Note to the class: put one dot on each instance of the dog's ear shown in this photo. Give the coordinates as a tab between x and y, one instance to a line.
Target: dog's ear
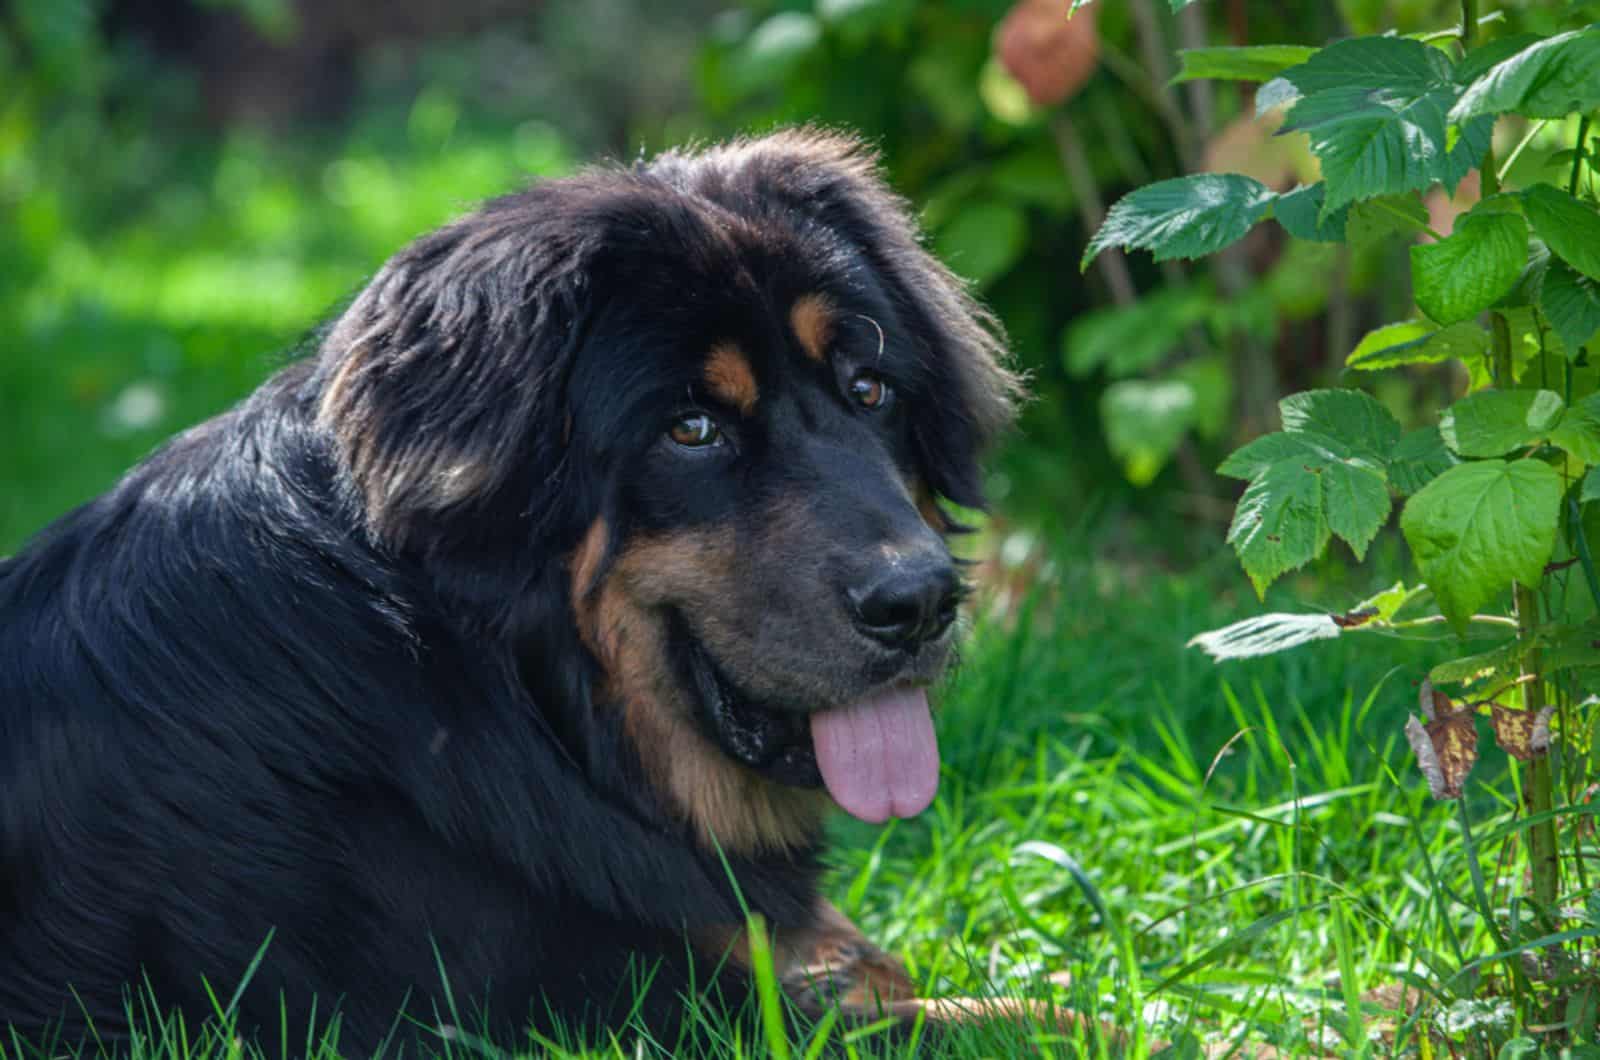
441	384
837	181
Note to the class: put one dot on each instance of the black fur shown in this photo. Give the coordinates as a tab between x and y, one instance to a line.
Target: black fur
311	669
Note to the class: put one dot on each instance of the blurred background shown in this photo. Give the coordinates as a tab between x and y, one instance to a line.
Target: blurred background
188	186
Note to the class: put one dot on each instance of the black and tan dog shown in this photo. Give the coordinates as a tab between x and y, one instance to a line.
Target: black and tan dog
599	542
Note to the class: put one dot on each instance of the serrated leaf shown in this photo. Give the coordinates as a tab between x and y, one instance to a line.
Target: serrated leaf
1264	635
1279	524
1418	342
1571	228
1374	109
1499	659
1579	430
1550	79
1260	62
1356	500
1571	302
1375	220
1300	213
1462	274
1144	421
1446	749
1480	526
1494	422
1186	217
1418	458
1484	57
1260	454
1525	291
1354	419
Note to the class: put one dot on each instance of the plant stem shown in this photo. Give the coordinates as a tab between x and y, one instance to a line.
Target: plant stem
1577	158
1546	866
1469	24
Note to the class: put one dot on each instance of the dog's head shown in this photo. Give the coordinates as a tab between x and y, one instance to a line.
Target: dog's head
712	403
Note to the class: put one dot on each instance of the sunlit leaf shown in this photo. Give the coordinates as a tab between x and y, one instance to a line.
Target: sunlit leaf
1260	62
1494	422
1480	526
1418	342
1457	277
1186	217
1550	79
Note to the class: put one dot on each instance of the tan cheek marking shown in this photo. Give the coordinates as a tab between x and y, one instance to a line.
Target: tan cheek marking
928	507
620	621
812	318
729	376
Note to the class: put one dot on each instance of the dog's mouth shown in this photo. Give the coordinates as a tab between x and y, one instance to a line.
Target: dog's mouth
877	757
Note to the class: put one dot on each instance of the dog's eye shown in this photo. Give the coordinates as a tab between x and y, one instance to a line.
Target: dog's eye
870	391
695	430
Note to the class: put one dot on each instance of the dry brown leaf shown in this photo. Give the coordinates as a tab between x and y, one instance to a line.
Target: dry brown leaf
1513	731
1051	56
1447	746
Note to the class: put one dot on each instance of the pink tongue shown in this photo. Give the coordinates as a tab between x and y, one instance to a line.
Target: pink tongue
879	757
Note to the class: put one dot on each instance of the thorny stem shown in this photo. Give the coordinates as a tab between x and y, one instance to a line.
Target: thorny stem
1546	865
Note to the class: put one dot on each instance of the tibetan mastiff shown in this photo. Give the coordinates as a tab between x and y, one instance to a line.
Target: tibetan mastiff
520	638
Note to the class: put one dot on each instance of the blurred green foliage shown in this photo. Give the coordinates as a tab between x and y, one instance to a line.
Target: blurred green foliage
160	255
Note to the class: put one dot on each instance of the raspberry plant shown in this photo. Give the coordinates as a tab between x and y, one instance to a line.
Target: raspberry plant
1497	496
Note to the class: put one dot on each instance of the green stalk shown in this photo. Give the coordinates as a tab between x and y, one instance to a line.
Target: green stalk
1577	158
1546	865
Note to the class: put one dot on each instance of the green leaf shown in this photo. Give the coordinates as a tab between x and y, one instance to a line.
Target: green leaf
1386	604
774	49
1479	60
1571	303
1462	274
1571	228
1279	524
1260	454
1480	526
1353	419
982	241
1494	422
1258	63
1356	499
1579	430
1375	220
1279	92
1323	474
1374	109
1418	342
1300	213
1186	217
1144	421
1418	458
1551	79
1498	659
1128	339
1591	486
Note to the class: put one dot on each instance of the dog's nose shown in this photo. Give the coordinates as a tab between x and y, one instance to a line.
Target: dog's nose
908	603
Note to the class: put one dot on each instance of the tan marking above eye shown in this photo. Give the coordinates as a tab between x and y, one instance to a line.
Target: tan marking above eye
812	318
728	375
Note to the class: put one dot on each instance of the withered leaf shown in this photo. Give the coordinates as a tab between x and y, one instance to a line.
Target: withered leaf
1447	746
1359	617
1513	731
